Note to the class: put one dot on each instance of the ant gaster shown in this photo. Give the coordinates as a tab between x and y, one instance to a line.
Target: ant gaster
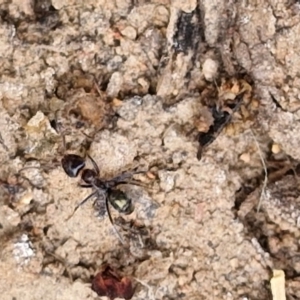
104	190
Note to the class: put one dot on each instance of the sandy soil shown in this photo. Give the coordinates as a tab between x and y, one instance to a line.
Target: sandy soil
130	83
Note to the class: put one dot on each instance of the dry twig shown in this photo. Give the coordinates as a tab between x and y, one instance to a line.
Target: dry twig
265	170
150	289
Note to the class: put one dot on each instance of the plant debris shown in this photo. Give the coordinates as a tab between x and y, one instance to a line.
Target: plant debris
278	285
230	97
108	283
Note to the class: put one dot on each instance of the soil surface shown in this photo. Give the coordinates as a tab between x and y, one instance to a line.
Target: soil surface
202	97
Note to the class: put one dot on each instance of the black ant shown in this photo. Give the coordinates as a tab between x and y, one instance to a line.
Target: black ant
106	191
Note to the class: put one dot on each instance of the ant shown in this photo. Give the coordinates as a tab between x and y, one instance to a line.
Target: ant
105	191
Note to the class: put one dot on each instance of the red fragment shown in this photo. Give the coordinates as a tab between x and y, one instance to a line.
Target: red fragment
108	283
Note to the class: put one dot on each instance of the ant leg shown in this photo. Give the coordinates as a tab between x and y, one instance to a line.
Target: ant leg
85	185
126	175
111	220
132	182
138	183
81	203
96	168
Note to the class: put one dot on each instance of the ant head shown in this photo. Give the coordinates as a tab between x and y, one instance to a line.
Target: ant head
120	201
89	176
72	164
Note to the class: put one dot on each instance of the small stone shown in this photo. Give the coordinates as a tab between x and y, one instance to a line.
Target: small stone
26	198
178	157
245	157
254	103
167	180
294	106
117	102
150	175
9	217
37	120
114	85
276	148
58	4
234	263
230	129
210	69
161	16
144	84
129	32
23	251
199	212
128	111
186	6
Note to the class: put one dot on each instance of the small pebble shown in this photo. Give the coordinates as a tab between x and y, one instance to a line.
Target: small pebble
117	102
245	157
129	32
210	69
276	148
26	198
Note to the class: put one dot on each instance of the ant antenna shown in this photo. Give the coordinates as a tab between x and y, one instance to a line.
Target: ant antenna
128	175
96	168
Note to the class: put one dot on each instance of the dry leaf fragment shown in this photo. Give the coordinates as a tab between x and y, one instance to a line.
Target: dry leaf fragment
108	283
